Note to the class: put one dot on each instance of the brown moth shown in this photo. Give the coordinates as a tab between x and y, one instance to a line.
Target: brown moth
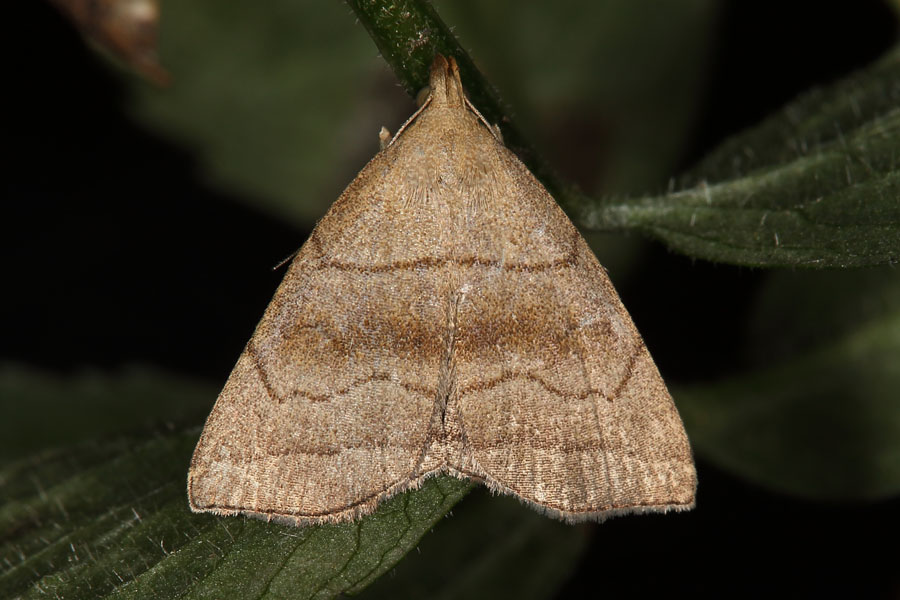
445	316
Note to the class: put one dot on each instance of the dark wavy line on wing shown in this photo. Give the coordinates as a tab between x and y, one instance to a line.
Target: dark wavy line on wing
629	369
429	262
270	389
511	376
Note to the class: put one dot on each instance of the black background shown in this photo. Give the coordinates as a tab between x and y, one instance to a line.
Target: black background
108	234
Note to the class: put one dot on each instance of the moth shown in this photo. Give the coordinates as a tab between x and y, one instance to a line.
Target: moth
444	317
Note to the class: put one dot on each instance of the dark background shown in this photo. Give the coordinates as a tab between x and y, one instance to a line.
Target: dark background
113	248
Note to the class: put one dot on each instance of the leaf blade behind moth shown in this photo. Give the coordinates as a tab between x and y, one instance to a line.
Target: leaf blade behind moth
521	554
110	521
814	186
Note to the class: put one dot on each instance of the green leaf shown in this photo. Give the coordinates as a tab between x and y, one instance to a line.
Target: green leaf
496	548
817	185
111	521
820	418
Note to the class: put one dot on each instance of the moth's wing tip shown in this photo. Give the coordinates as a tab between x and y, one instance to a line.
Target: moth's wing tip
576	517
679	496
604	515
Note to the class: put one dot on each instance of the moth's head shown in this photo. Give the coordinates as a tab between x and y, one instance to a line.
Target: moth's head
445	85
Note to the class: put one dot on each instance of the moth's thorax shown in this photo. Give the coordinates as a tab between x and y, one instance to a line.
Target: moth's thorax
465	159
